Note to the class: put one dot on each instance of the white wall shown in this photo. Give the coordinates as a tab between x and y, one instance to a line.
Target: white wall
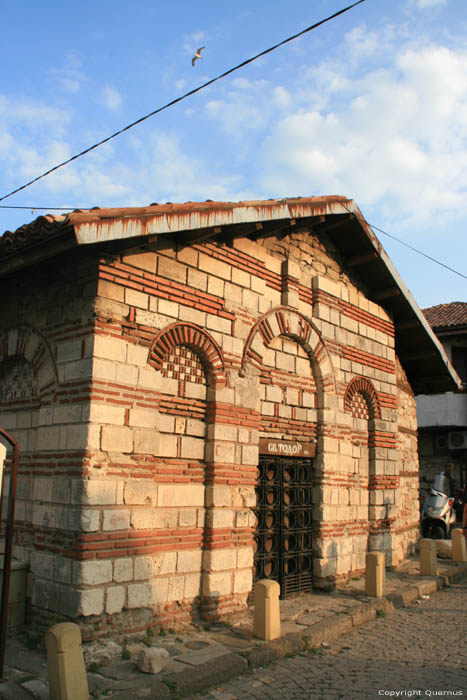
442	410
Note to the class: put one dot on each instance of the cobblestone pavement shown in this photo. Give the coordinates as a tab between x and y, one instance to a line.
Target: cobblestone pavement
413	652
398	653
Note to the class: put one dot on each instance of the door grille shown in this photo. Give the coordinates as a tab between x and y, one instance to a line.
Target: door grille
283	538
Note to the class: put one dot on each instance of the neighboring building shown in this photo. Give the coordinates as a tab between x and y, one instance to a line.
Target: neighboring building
442	418
206	394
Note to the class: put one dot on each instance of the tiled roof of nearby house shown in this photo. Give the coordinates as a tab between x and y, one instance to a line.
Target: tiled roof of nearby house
447	315
336	217
29	234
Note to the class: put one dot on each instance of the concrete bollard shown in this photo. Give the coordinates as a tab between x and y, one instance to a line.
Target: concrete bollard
428	561
459	550
67	673
375	574
267	619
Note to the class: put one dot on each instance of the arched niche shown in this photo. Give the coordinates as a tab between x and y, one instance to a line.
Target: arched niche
197	340
27	366
287	322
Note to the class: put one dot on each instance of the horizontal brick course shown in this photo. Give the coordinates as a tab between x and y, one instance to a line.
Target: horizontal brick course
137	484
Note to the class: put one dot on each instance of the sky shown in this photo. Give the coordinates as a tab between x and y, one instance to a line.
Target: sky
371	105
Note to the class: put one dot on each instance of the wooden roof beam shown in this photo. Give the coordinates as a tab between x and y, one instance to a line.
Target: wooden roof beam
324	228
413	356
388	293
357	260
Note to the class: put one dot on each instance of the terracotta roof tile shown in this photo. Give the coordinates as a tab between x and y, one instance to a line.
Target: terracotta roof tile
444	315
29	234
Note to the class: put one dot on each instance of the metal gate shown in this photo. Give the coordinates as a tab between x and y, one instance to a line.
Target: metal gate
283	535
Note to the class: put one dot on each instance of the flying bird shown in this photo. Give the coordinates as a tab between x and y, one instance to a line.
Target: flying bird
197	55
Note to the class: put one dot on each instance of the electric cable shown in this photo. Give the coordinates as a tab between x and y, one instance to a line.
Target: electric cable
407	245
362	220
9	206
425	255
183	97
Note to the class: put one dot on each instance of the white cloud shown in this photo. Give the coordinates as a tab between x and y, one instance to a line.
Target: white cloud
248	105
193	41
31	162
6	142
70	77
169	173
111	98
423	4
281	97
395	137
24	126
105	186
31	114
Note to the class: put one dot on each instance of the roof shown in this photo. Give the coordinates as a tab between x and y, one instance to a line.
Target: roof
449	316
417	347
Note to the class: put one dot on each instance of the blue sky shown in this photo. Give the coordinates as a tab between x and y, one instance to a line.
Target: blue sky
372	105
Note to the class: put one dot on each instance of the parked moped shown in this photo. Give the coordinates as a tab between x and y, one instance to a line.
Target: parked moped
438	516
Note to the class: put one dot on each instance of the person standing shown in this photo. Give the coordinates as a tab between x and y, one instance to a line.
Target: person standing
449	474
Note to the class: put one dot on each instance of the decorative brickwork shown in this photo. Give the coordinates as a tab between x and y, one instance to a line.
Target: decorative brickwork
184	364
17	381
27	366
361	400
288	323
359	407
199	351
140	390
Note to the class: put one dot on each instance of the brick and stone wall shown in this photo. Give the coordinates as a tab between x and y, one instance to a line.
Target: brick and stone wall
46	339
147	380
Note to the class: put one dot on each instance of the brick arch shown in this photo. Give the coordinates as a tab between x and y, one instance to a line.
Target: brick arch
195	338
363	387
27	342
293	324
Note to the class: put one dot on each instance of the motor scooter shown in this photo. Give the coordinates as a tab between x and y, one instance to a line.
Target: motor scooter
438	516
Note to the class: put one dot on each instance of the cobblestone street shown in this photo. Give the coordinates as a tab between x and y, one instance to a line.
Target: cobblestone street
419	651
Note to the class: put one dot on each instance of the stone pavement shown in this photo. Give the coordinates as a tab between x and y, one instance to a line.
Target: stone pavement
418	651
201	658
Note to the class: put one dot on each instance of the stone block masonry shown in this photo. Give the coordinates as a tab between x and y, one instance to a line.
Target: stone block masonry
141	391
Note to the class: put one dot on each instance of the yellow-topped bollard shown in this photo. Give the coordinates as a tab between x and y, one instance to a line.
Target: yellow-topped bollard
428	561
67	673
267	619
375	574
459	550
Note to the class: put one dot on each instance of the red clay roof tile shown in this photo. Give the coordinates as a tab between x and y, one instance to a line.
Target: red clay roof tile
444	315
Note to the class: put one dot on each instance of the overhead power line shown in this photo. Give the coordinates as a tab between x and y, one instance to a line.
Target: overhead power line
10	206
407	245
425	255
376	228
183	97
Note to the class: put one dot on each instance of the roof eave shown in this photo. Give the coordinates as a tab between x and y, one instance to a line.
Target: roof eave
385	286
37	253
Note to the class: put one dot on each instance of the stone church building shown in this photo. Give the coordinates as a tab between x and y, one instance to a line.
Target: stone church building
204	395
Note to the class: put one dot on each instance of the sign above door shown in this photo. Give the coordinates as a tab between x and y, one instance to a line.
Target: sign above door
287	448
